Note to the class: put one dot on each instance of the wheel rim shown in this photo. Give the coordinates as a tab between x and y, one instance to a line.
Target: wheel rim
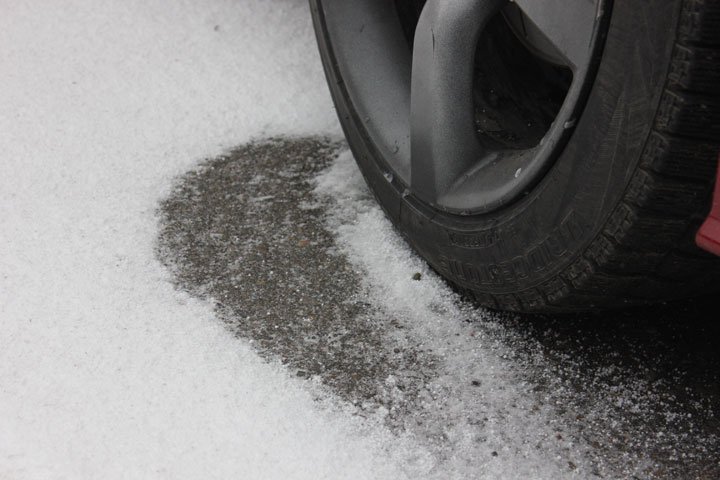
418	100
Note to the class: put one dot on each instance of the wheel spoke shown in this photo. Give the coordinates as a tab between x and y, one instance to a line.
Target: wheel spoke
567	25
444	144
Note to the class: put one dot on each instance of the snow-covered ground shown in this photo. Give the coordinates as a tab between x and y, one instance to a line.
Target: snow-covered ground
107	370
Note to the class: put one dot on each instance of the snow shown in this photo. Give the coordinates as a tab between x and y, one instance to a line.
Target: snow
503	416
108	371
105	370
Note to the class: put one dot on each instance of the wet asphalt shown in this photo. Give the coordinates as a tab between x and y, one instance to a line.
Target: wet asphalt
640	388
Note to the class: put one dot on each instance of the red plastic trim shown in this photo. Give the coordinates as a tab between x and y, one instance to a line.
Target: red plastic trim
708	237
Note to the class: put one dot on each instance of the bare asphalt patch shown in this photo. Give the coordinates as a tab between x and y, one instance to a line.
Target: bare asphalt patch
246	231
633	394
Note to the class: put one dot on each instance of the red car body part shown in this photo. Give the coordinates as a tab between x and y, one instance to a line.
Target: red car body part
708	237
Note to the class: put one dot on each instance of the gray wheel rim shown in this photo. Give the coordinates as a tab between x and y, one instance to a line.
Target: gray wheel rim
417	106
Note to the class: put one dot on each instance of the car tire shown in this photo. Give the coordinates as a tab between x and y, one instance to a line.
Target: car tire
610	220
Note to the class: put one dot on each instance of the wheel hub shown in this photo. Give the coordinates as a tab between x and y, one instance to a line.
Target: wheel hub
460	119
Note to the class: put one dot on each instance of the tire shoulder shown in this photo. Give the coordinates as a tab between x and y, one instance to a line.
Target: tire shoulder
647	244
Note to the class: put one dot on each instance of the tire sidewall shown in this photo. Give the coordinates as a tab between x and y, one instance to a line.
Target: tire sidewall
528	243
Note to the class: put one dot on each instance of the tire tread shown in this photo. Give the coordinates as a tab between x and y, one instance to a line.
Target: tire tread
646	246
